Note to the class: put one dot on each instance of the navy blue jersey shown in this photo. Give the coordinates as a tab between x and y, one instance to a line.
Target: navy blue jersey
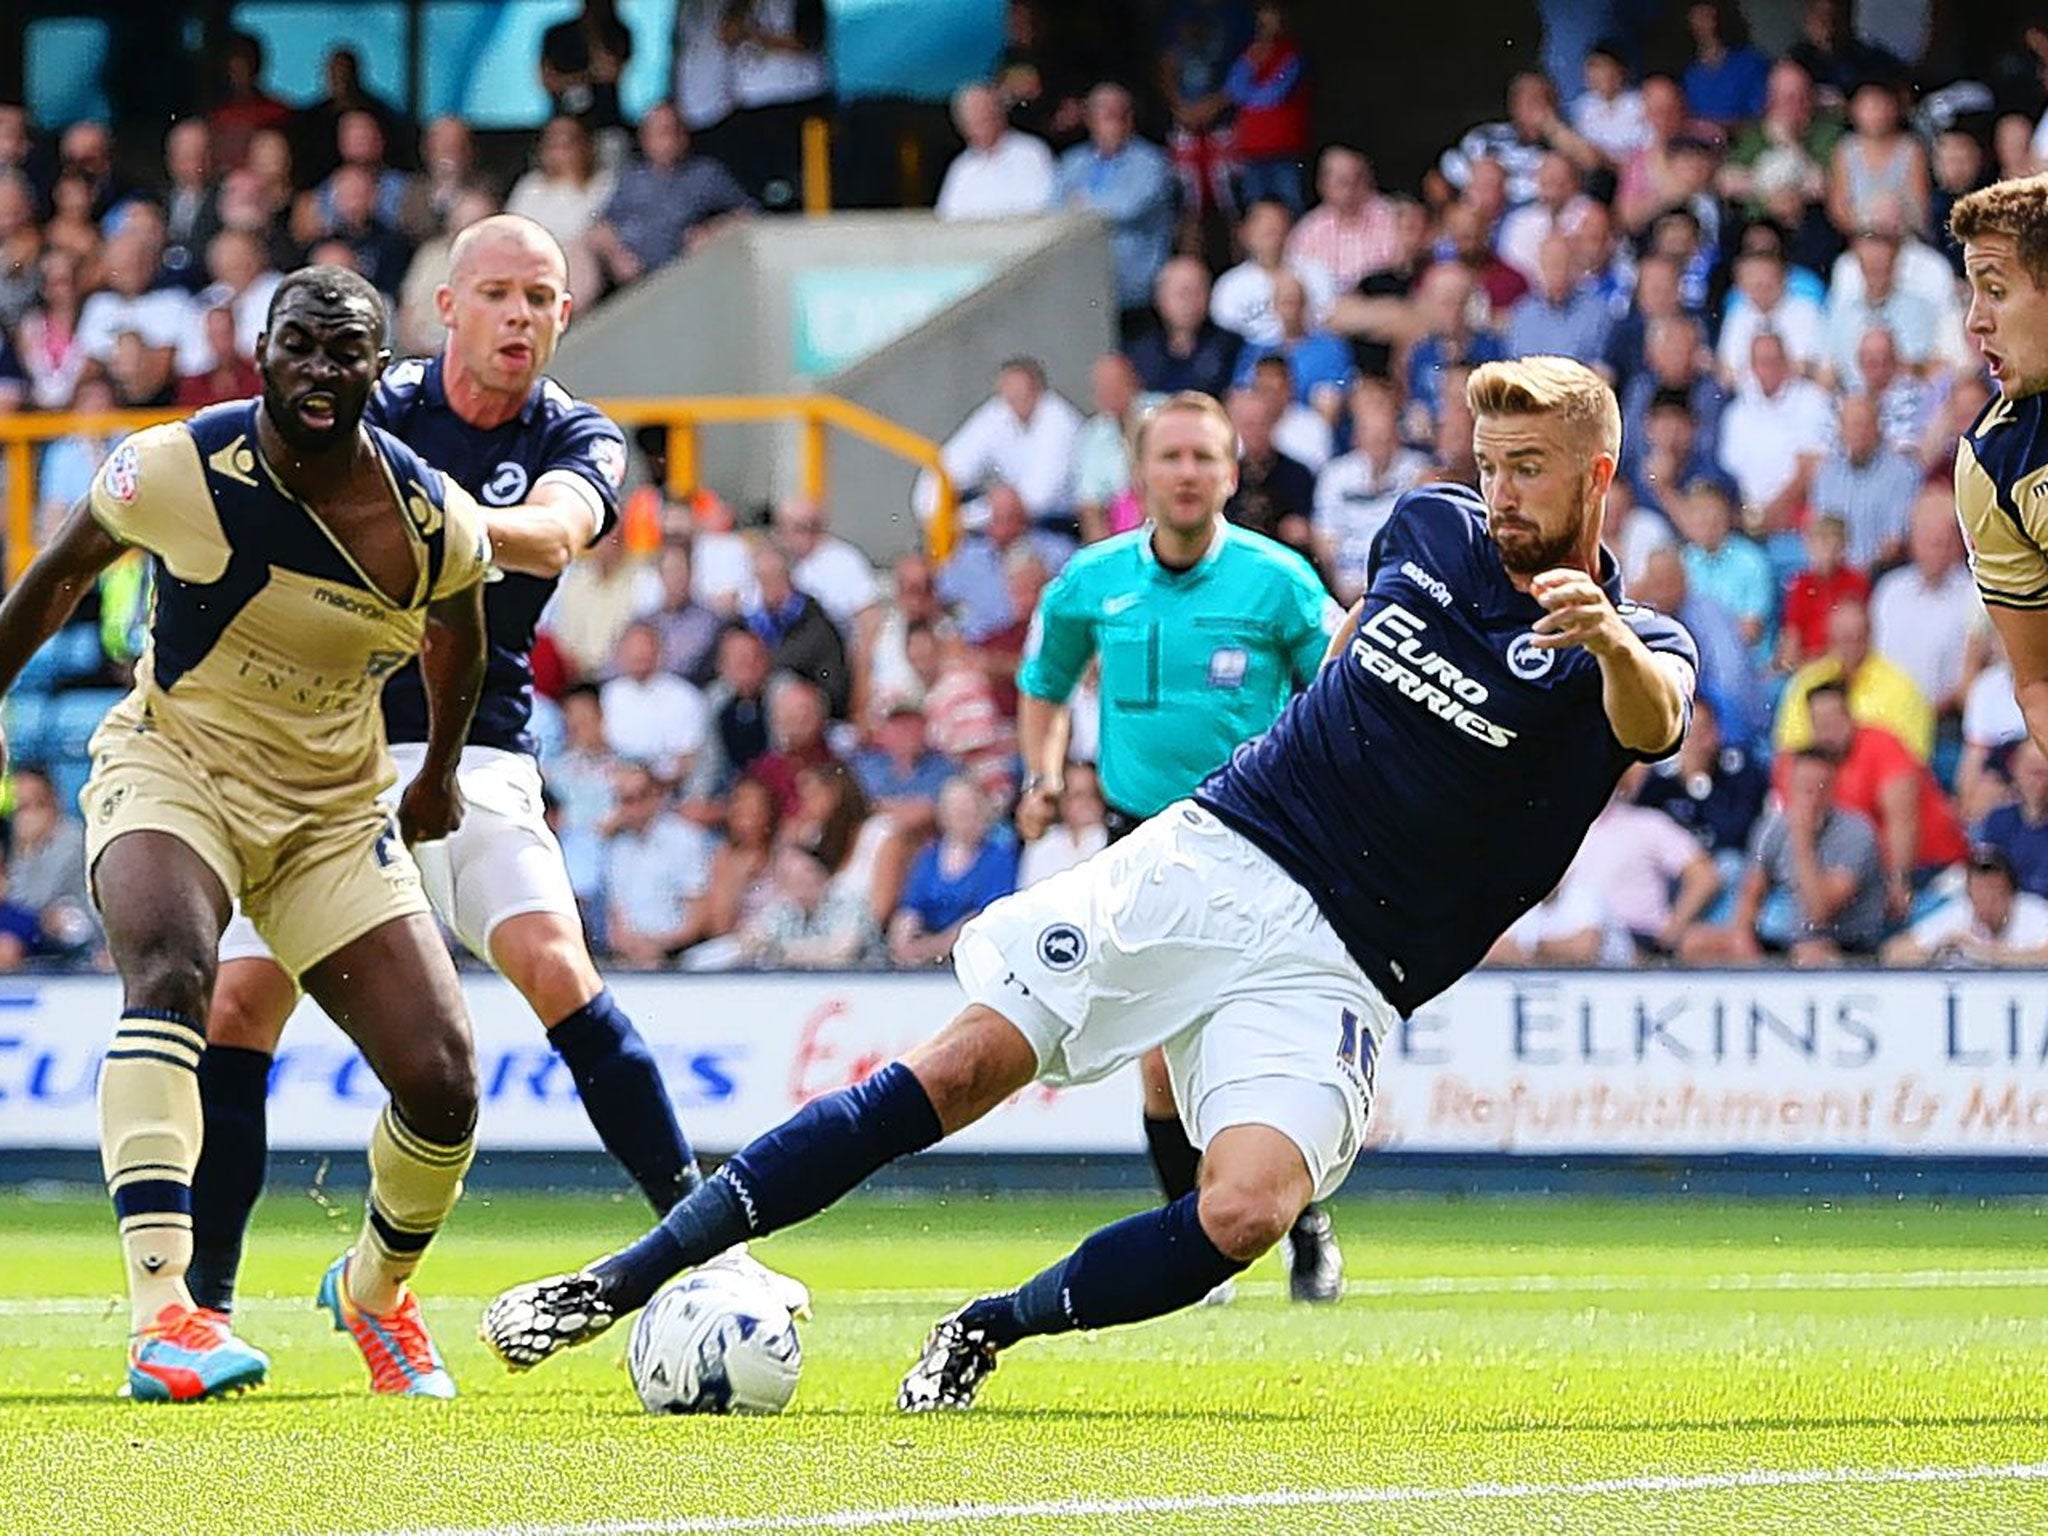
1434	781
553	433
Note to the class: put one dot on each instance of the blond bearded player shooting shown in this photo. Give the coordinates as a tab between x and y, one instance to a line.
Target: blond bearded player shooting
1427	788
1203	631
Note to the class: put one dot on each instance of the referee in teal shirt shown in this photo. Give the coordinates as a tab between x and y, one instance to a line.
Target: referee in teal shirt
1204	630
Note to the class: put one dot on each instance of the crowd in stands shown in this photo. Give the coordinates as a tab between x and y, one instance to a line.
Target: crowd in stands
764	751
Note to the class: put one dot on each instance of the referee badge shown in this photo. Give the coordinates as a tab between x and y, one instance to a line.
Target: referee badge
1228	666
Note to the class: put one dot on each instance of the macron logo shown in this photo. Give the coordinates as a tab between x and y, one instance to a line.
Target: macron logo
1430	584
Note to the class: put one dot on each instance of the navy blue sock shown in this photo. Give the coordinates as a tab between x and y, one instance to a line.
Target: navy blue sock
234	1082
1141	1267
777	1180
626	1100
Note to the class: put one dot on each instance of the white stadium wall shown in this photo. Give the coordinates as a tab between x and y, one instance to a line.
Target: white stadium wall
1843	1063
900	312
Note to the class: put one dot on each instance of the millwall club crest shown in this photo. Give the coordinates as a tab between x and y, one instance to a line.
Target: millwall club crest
506	487
1528	660
1062	947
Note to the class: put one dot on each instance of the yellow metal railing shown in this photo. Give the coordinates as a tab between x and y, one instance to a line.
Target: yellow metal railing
19	435
817	155
815	415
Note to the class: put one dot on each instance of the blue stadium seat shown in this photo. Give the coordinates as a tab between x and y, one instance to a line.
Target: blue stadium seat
74	717
79	652
43	671
546	726
28	727
67	778
72	654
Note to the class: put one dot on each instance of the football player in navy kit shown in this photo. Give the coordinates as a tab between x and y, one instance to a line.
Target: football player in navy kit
1428	787
546	468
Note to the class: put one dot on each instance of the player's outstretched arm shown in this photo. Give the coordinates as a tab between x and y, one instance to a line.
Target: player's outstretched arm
452	667
50	588
544	533
1645	694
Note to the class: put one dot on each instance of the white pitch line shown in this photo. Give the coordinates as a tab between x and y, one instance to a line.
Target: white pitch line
1419	1286
1073	1509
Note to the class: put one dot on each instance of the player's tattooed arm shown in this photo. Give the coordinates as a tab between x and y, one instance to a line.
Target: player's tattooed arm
452	667
50	588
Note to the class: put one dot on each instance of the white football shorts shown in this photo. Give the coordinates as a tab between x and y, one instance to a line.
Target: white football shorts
1186	935
502	861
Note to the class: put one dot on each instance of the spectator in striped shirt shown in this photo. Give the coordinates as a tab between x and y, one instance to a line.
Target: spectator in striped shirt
1350	232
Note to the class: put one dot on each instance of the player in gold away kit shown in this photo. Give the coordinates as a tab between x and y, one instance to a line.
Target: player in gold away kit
2002	461
299	556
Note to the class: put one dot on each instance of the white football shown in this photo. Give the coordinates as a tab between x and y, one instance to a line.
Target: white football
719	1340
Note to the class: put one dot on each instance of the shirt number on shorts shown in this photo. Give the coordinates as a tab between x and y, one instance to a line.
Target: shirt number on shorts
1357	1051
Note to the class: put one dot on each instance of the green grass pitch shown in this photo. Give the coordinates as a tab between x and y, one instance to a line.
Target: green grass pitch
1517	1366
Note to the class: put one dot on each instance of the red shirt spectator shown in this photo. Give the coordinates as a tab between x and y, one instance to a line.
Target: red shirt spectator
550	667
776	771
1875	772
1269	86
247	108
796	735
234	380
1810	597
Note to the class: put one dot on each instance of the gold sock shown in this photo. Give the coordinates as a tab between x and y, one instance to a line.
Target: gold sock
414	1184
150	1124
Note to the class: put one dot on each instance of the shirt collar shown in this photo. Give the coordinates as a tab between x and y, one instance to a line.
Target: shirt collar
1149	557
435	390
1609	575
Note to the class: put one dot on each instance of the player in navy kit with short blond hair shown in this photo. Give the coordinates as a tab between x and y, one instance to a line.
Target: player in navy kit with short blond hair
1430	785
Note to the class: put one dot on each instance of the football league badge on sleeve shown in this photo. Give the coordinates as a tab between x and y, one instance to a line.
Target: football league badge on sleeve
124	473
